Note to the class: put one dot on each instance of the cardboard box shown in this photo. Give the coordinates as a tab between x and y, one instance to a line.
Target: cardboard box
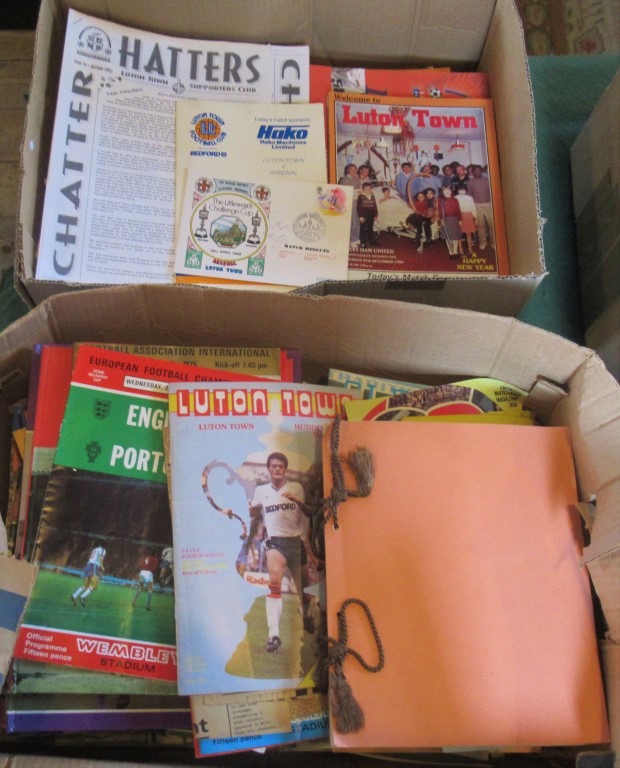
595	164
387	338
42	761
463	34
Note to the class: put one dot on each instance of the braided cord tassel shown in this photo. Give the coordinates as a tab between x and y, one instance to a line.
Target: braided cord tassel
362	466
347	714
329	674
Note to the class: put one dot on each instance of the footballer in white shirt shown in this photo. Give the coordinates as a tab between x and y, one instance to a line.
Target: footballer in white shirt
281	503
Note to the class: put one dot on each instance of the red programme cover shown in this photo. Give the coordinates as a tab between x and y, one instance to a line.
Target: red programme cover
53	388
424	83
16	528
107	522
54	377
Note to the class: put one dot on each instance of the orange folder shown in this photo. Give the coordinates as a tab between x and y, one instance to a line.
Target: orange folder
467	554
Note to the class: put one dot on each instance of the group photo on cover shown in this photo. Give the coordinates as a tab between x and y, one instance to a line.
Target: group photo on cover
425	181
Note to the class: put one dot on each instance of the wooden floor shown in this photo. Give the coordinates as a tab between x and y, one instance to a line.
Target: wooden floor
16	50
553	27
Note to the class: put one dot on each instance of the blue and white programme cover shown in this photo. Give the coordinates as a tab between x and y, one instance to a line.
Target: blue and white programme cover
110	182
245	473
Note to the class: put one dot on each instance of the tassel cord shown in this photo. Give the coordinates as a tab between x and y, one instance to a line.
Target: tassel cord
348	715
339	649
361	464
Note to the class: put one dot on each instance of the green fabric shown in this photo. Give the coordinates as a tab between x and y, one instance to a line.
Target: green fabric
11	305
566	90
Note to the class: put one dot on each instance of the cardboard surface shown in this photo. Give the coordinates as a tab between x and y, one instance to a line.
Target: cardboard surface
566	89
466	33
43	761
595	164
16	582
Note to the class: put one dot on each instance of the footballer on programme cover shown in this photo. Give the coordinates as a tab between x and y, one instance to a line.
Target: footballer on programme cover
245	475
100	600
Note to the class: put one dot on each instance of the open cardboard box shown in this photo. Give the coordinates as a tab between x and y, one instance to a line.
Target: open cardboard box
595	174
390	338
462	34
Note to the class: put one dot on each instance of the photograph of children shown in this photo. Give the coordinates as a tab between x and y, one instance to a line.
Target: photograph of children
434	202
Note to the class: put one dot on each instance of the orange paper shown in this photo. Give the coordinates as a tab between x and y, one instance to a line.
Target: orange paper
467	554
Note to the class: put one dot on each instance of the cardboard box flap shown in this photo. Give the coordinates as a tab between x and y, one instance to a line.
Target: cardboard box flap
605	526
36	141
602	556
586	158
503	295
14	376
403	340
543	397
514	116
280	22
36	327
611	668
605	574
593	412
45	761
595	438
427	32
397	337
